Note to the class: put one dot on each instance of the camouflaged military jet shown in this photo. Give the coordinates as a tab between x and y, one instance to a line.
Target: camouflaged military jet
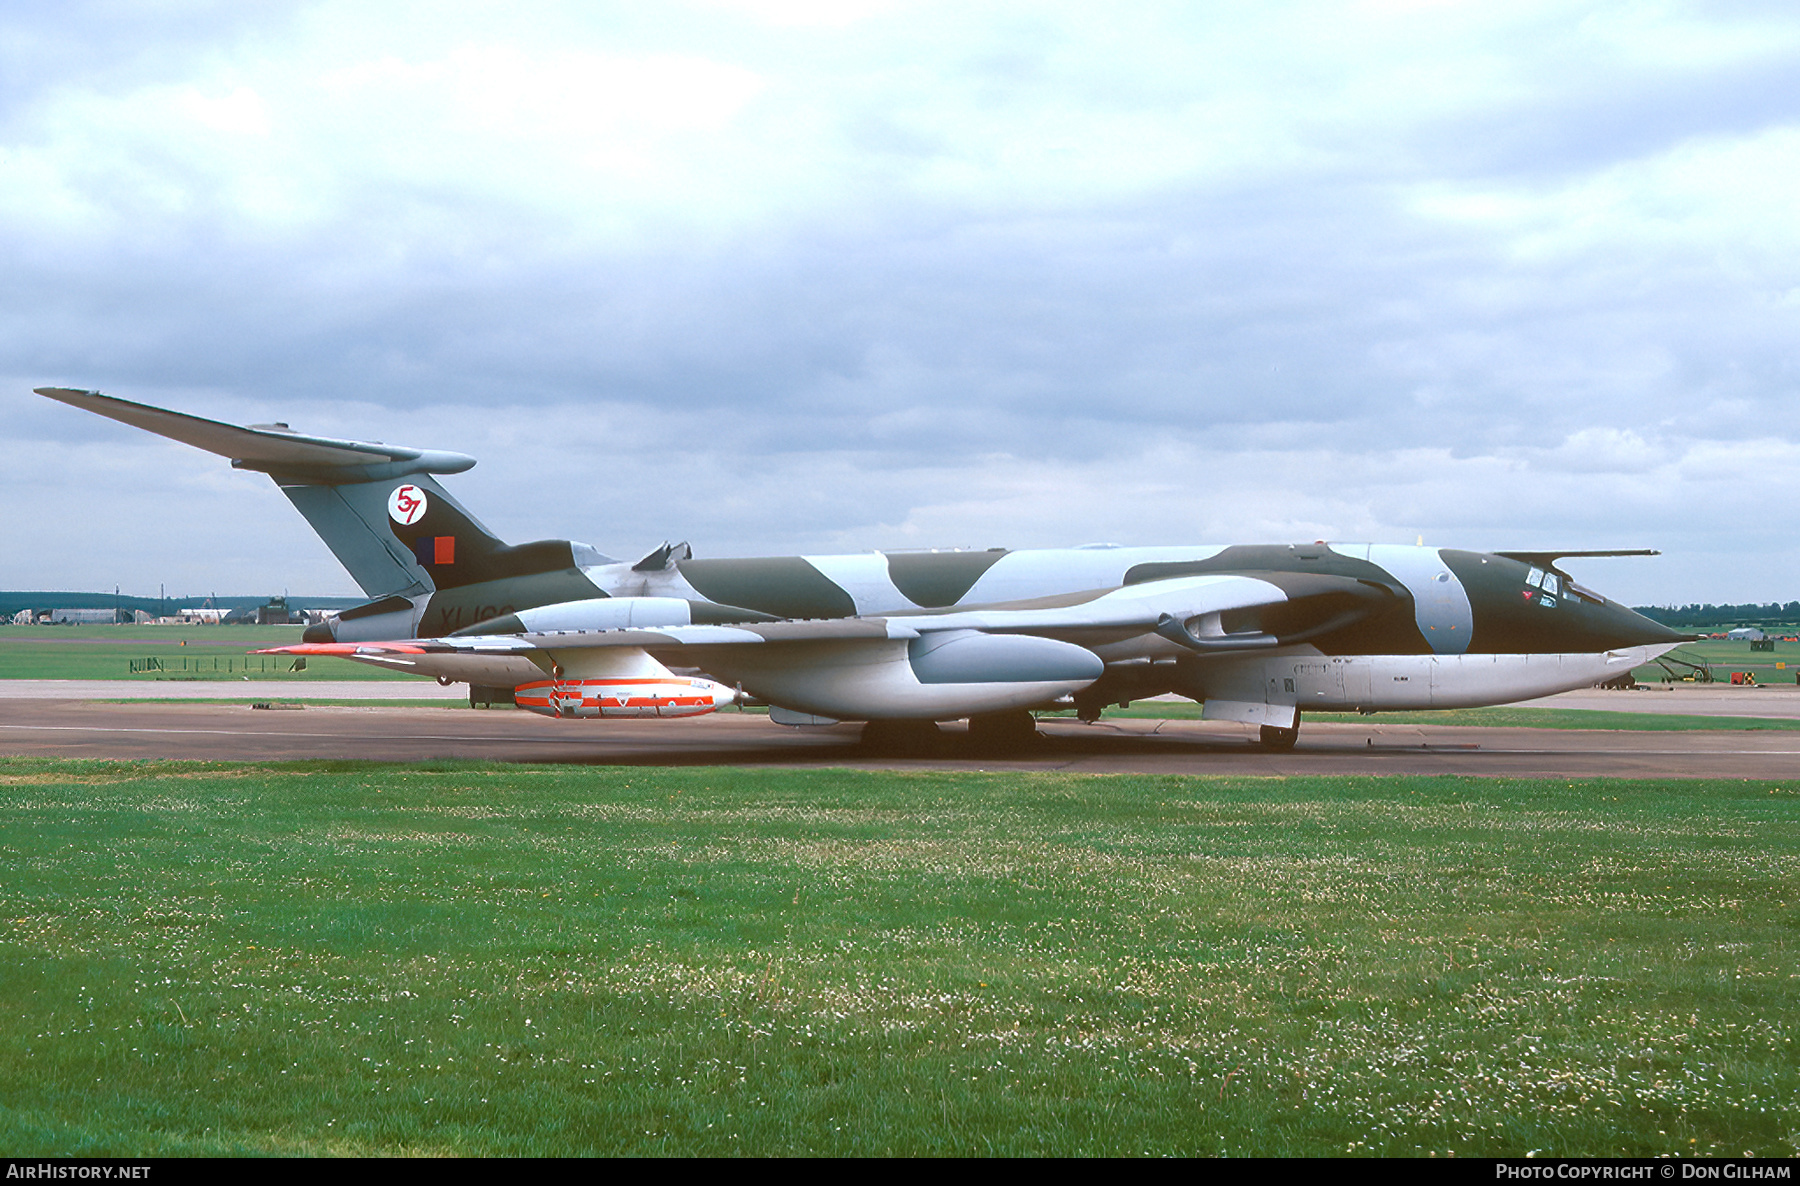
902	640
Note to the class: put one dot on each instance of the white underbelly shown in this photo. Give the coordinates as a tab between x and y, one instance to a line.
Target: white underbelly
1319	683
1472	681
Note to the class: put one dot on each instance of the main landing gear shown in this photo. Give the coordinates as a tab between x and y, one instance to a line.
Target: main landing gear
1278	739
989	733
1002	732
901	739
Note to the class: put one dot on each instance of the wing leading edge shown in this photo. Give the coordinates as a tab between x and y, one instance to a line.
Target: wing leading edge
938	665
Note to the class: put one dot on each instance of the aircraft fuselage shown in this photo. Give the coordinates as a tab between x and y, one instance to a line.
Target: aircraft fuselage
1257	632
1451	628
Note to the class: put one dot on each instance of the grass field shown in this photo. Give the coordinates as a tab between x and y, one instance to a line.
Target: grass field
1778	666
186	652
472	959
105	652
262	696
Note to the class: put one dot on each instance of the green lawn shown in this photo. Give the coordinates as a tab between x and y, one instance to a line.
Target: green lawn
1778	666
219	652
262	695
185	653
472	959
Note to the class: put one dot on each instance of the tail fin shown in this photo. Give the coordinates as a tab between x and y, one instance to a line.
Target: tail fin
351	493
452	547
384	554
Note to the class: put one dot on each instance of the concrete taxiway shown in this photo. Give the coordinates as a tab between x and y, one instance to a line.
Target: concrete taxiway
1699	700
92	729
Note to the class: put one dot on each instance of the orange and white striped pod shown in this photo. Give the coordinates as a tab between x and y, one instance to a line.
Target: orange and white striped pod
624	696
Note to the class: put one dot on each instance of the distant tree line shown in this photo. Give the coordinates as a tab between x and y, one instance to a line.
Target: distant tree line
12	602
1748	614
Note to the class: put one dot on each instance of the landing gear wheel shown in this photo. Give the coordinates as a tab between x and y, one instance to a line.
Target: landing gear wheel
900	739
1274	738
998	732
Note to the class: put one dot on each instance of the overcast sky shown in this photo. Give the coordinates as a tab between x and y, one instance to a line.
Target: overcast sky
779	276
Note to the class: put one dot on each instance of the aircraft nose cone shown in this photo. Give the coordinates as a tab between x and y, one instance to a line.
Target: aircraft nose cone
1516	613
1635	630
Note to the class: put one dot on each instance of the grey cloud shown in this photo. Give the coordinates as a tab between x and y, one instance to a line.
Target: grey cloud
1291	343
113	43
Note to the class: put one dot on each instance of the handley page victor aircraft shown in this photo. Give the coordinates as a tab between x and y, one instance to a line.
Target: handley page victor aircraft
1257	633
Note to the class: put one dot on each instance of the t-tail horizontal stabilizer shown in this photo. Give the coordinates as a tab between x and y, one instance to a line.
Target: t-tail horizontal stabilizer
270	448
1549	559
375	505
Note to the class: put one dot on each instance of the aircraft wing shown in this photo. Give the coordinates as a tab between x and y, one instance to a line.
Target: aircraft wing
931	664
1135	609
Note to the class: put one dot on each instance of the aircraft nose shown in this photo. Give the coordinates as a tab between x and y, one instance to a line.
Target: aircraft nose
1635	630
1519	607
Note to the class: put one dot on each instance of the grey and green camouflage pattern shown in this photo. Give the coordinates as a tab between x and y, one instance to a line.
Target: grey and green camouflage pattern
1258	633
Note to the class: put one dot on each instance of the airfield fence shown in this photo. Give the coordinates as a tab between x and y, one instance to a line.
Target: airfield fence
230	667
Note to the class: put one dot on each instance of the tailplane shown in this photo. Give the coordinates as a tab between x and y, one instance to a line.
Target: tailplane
376	506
